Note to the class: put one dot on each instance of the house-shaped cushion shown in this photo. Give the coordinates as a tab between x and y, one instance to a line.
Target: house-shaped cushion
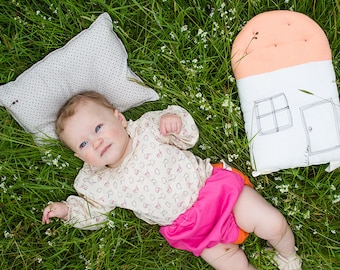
282	63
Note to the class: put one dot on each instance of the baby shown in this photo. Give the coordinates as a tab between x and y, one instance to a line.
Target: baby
144	166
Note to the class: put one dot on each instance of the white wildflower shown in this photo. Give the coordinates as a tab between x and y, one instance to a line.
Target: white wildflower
283	188
184	28
275	201
203	147
336	199
306	215
298	227
232	157
3	187
8	234
111	224
199	95
231	78
48	232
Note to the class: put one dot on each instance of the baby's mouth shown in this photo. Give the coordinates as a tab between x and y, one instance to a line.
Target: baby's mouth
105	149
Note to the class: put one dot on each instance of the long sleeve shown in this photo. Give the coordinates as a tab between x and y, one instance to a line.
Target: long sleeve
86	214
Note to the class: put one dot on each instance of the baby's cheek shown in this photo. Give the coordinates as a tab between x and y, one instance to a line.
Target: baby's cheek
88	157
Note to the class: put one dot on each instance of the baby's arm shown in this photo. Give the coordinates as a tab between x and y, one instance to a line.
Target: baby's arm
55	210
86	214
78	212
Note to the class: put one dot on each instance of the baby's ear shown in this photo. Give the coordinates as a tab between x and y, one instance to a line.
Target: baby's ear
76	155
121	118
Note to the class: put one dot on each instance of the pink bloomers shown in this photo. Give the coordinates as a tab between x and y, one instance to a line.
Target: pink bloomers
210	220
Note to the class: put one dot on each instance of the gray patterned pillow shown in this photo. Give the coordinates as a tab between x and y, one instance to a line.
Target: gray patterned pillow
95	59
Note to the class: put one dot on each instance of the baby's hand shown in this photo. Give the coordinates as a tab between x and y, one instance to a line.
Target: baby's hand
170	123
55	210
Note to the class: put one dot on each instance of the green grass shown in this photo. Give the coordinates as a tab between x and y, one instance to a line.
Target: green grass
185	68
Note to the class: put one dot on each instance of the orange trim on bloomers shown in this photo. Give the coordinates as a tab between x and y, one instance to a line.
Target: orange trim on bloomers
242	236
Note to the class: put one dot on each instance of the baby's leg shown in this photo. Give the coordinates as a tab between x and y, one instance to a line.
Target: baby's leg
226	256
254	214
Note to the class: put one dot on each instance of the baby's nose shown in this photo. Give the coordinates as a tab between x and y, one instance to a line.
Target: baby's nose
97	143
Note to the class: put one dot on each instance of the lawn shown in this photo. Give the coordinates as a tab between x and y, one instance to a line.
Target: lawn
182	49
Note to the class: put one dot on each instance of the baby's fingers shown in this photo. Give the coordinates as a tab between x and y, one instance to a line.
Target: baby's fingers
176	126
55	210
169	127
170	123
50	211
46	215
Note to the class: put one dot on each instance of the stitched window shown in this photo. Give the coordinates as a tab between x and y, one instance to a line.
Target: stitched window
273	114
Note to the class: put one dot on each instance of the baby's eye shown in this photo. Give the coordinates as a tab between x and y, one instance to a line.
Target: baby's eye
98	128
83	144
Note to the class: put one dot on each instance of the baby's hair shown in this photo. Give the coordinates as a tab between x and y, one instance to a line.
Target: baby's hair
68	109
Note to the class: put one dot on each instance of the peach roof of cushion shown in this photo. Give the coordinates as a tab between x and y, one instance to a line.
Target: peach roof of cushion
277	39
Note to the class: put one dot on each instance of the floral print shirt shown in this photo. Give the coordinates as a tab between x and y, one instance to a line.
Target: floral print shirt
158	181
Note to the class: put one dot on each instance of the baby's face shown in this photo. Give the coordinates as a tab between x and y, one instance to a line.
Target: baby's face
97	135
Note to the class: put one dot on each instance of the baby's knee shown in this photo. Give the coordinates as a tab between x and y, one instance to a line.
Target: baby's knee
279	225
